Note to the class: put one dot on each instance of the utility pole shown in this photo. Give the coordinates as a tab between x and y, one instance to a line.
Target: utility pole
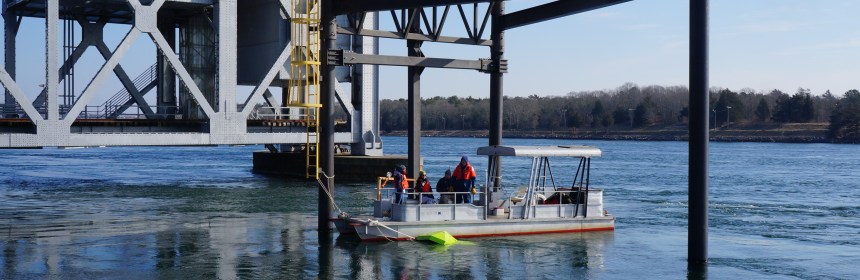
630	110
564	117
463	119
727	116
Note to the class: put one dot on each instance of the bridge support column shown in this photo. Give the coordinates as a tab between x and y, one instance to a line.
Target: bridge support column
166	76
10	30
52	79
497	52
697	247
327	99
414	104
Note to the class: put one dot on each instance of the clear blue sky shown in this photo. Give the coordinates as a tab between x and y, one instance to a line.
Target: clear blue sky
761	44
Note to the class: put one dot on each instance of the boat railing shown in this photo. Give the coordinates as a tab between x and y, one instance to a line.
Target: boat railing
391	192
575	201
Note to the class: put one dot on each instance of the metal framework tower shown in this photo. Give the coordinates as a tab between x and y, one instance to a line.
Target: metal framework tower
304	84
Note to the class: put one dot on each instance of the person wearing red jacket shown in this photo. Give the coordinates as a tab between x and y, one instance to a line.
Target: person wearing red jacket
464	178
423	188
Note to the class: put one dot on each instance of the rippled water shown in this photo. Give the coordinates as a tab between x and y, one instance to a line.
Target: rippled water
777	211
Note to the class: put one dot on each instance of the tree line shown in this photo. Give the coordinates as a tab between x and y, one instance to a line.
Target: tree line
633	107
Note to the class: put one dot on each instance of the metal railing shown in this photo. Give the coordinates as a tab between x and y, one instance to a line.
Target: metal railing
118	100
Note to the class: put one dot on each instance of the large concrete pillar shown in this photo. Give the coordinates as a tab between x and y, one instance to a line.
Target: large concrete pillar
10	30
414	104
166	88
697	247
328	101
497	52
365	94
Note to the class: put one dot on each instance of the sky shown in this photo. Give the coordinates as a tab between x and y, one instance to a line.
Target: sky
762	45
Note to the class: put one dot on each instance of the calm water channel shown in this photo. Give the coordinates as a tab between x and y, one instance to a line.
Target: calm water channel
778	211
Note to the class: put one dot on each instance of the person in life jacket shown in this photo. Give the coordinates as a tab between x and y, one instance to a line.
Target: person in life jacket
445	184
464	178
423	188
401	184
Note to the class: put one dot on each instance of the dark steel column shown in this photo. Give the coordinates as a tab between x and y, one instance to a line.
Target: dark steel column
10	24
697	246
166	89
497	54
327	99
414	100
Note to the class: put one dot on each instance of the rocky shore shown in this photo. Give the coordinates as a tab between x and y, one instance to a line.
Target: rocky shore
783	133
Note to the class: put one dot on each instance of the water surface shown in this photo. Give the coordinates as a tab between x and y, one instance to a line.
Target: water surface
778	211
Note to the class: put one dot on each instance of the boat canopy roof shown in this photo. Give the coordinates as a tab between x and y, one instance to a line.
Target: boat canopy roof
540	151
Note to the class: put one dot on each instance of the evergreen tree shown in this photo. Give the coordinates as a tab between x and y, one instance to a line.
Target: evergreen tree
845	120
762	111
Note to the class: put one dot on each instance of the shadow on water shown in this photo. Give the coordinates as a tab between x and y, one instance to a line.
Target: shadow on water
578	255
697	271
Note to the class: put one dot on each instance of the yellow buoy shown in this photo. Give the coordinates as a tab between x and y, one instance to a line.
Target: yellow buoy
439	237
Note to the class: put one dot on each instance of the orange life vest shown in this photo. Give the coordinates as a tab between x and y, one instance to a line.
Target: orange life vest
404	184
425	187
467	175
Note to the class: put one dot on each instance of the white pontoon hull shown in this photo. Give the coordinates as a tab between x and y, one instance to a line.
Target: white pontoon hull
390	230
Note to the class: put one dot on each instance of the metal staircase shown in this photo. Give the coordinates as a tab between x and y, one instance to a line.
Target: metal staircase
304	83
122	100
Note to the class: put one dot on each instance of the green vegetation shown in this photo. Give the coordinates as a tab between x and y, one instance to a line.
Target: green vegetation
633	107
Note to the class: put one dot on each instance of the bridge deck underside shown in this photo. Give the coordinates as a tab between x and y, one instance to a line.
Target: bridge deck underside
21	133
115	11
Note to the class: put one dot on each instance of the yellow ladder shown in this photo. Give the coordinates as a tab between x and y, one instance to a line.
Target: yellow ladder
304	84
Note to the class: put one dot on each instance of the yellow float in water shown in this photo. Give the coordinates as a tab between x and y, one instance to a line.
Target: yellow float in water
439	237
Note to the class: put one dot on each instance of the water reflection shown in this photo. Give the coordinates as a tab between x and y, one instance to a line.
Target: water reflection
231	246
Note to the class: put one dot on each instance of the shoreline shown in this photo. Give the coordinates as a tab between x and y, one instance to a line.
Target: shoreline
785	133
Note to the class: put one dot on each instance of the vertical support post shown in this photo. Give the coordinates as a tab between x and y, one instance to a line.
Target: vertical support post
227	34
166	89
327	99
697	247
497	52
414	103
52	77
365	93
10	30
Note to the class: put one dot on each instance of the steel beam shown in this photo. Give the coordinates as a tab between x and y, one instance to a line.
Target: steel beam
225	17
413	36
353	6
52	79
327	98
132	101
166	77
497	54
697	247
94	84
267	79
64	70
414	99
415	61
10	30
136	94
553	10
18	95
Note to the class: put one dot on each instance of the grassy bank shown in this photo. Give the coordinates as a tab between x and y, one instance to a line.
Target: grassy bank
786	133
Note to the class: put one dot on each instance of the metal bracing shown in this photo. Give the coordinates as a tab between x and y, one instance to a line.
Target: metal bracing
553	10
224	123
10	30
433	21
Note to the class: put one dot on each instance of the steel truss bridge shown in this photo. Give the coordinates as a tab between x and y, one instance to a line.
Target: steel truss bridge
221	45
